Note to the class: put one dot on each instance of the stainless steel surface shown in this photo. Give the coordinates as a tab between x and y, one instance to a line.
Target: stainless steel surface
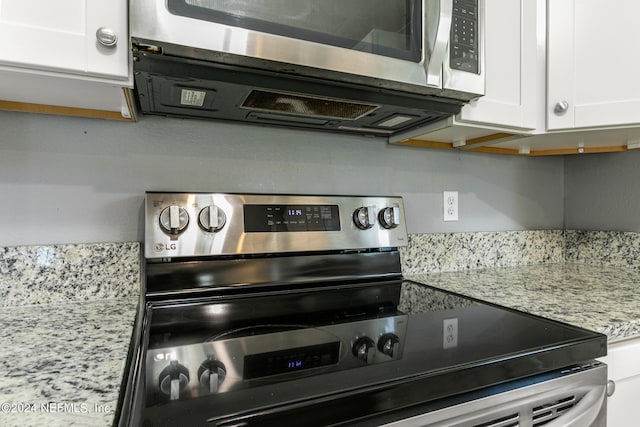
173	219
364	217
438	29
389	217
106	36
611	388
151	21
212	218
575	400
177	233
229	353
561	108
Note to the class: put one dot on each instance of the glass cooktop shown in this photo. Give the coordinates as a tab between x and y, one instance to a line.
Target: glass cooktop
447	344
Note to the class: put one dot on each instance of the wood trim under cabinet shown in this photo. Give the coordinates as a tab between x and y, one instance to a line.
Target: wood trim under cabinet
71	111
483	145
470	145
555	152
483	141
497	150
585	150
423	143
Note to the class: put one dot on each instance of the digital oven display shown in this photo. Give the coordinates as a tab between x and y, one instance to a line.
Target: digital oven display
283	218
290	360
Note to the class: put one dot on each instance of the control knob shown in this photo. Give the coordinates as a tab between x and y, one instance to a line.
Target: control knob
211	374
389	344
174	379
174	220
389	217
364	217
364	349
212	219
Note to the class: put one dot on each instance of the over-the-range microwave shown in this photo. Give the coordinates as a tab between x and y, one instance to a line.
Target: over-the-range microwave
374	67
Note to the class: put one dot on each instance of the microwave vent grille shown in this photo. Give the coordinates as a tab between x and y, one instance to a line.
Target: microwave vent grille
329	108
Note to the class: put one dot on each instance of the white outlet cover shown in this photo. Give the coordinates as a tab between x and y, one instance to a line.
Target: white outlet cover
450	206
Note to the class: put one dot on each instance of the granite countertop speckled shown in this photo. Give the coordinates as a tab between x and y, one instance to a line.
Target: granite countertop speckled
63	363
600	298
67	314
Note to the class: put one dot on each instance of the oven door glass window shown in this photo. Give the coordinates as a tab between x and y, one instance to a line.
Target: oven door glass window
390	28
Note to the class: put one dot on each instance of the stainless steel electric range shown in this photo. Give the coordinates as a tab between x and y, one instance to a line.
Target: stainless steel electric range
288	310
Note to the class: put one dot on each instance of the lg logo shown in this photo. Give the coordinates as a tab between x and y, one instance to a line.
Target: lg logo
161	247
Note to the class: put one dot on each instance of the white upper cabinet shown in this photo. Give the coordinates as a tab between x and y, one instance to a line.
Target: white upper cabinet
562	78
593	64
62	36
511	61
67	57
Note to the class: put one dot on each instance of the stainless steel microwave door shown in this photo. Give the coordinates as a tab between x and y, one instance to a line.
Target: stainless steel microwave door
390	28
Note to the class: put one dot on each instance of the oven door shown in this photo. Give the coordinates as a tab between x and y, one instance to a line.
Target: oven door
405	42
575	397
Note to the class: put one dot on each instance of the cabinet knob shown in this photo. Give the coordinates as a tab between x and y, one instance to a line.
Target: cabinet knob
106	36
561	108
611	388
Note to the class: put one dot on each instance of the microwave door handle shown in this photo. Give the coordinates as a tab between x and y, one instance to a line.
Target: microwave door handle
441	42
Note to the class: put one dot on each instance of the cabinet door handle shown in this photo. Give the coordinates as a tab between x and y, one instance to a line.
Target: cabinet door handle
106	36
561	108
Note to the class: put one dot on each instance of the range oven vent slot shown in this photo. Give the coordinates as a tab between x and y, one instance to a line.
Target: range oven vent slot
512	420
548	412
540	415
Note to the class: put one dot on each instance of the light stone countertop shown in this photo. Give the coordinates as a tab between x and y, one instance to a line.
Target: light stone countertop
595	297
63	364
67	314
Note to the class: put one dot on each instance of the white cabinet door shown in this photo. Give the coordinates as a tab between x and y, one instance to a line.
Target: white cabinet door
623	360
511	65
593	63
60	36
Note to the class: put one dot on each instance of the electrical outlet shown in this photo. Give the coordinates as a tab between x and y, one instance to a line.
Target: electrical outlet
450	204
450	333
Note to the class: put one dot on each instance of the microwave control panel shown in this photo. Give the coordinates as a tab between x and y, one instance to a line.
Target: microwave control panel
464	49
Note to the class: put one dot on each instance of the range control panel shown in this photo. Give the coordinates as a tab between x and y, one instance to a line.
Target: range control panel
204	224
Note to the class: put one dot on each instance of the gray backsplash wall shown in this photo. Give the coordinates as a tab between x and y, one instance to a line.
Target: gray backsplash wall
602	191
73	180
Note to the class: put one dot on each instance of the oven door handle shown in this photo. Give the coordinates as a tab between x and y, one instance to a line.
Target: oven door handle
585	412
